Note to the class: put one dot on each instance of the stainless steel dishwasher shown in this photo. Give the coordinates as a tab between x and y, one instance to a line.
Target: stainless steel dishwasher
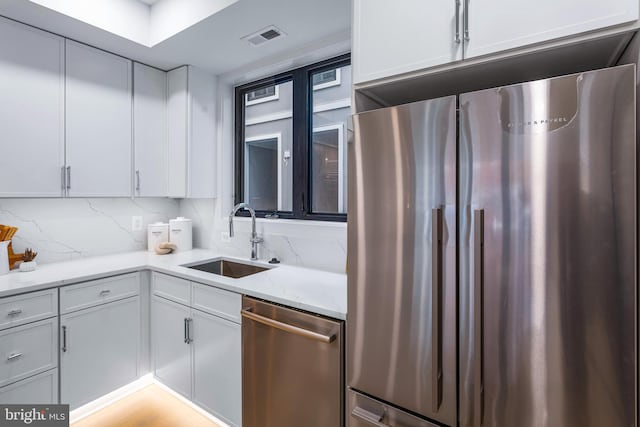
292	369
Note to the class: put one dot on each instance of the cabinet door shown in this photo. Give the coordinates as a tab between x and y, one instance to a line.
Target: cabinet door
177	131
98	123
171	354
99	350
31	111
41	389
28	350
202	135
510	24
398	37
191	133
217	364
150	131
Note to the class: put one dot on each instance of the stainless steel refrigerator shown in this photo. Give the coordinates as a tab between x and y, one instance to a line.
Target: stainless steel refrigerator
492	258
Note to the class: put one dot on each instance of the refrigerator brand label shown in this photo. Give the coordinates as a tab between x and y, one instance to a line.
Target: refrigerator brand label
512	125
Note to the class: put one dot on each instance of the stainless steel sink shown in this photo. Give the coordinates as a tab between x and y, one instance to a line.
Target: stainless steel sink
227	268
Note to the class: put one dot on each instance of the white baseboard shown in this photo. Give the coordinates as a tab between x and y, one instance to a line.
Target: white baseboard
106	400
142	382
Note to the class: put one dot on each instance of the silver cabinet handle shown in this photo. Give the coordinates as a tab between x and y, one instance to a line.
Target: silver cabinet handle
456	38
63	178
436	307
105	292
187	330
68	177
14	312
466	20
247	314
478	315
369	417
14	356
138	180
64	339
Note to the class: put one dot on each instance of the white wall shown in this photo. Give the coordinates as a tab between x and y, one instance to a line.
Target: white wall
66	229
169	17
311	244
125	18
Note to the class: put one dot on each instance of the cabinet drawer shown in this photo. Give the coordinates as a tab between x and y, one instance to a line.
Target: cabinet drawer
41	389
27	350
21	309
217	301
96	292
169	287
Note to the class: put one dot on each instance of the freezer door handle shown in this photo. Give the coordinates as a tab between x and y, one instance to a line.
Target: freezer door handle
478	315
369	417
247	314
436	307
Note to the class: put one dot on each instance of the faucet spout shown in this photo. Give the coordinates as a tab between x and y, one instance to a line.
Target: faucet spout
254	236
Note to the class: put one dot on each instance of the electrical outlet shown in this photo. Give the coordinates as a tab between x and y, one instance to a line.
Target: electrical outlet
136	223
224	237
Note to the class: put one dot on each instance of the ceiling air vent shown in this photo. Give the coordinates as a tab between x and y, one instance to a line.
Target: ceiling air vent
264	35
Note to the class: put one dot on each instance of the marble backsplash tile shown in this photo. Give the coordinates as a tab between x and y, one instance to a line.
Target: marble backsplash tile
302	243
66	229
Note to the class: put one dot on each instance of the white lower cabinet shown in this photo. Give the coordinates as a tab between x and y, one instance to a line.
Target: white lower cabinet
171	354
99	350
199	355
41	389
217	366
27	350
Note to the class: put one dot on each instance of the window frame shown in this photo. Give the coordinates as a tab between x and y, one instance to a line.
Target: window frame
302	133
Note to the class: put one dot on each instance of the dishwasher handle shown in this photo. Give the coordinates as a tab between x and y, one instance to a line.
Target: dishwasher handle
248	314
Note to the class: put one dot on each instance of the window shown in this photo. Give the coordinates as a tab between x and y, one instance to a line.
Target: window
264	94
326	79
291	154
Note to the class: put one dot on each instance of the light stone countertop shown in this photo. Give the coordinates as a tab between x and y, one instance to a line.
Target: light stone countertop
307	289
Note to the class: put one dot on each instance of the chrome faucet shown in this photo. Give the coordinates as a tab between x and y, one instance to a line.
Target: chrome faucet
254	236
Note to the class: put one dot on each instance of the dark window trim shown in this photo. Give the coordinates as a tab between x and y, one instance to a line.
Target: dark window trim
302	137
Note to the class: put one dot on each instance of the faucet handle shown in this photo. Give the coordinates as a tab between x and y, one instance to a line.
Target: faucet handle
257	239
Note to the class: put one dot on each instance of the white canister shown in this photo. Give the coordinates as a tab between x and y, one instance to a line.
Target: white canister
156	234
181	233
4	257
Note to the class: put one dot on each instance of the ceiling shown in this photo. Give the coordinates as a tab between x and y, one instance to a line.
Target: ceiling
214	43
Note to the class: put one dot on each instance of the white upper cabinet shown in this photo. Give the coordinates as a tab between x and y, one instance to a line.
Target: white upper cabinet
150	131
391	37
192	133
98	123
31	111
508	24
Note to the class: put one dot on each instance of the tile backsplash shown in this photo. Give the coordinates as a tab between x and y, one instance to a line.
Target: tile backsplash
66	229
302	243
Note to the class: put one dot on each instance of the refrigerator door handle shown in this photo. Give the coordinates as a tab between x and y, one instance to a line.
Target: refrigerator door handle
436	307
369	417
478	315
